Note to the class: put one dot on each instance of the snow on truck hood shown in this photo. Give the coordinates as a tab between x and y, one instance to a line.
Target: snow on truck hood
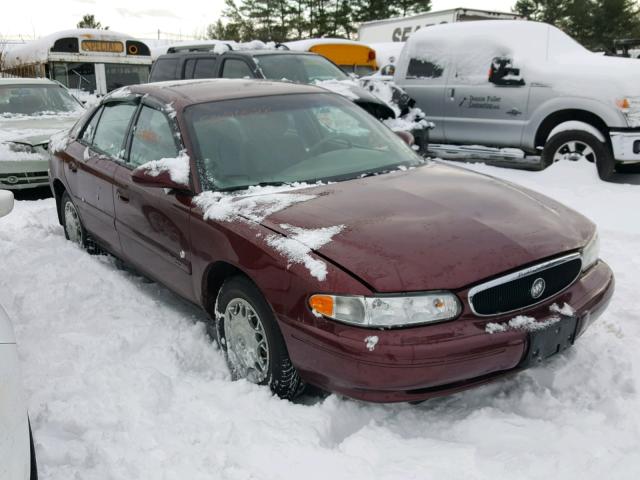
433	227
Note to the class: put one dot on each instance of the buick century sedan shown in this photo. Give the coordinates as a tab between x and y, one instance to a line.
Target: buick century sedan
325	251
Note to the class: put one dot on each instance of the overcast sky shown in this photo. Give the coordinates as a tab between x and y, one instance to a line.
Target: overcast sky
143	18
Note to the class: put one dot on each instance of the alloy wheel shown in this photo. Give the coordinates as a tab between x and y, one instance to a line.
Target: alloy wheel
574	150
246	341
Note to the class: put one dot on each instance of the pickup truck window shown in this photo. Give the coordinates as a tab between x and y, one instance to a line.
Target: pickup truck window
422	68
233	68
165	69
205	68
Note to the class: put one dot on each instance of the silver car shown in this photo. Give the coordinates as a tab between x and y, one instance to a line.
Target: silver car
31	110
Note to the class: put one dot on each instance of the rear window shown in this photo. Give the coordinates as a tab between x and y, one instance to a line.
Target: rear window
164	69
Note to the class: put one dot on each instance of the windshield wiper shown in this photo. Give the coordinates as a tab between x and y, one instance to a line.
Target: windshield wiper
244	187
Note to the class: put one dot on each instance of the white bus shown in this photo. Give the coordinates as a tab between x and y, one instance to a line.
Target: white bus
96	61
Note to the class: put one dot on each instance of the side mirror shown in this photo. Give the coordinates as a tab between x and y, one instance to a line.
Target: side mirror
406	137
6	202
388	70
502	72
152	175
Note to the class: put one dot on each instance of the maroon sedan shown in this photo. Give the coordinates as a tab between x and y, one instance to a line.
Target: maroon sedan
324	250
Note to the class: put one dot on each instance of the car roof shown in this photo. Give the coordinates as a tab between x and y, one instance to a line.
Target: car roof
26	81
186	92
248	53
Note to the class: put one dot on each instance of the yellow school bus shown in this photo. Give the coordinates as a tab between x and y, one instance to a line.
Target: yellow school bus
351	56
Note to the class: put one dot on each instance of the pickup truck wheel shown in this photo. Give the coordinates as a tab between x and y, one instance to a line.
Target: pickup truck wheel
74	230
576	144
247	331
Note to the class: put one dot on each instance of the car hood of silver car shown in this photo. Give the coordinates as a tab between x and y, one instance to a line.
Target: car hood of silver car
34	130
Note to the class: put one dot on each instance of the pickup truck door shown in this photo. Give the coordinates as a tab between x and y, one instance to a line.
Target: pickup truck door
424	80
480	112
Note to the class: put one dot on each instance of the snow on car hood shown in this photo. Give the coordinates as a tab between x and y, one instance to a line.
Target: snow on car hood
34	130
434	227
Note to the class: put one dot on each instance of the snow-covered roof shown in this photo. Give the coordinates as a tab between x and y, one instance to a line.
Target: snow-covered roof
306	45
37	51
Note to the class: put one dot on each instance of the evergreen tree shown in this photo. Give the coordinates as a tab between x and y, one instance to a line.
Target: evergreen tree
89	21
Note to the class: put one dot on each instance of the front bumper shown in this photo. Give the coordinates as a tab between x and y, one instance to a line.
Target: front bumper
22	174
413	364
15	453
626	145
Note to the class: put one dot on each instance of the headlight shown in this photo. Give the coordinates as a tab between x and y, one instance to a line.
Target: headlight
630	108
387	311
591	253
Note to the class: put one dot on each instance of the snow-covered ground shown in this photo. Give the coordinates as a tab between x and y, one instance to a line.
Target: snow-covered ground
123	382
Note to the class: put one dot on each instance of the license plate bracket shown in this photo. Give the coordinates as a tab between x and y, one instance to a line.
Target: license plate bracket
550	341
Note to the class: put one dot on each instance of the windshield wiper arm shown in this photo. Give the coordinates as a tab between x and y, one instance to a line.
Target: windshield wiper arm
244	187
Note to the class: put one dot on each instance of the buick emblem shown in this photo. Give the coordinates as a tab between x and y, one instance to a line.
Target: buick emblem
537	289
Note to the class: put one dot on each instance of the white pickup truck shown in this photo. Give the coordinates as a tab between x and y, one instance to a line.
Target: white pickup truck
523	85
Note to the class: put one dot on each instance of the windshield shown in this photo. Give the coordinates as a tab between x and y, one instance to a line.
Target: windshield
36	100
302	68
291	138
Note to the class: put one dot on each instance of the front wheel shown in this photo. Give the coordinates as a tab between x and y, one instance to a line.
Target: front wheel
247	331
575	145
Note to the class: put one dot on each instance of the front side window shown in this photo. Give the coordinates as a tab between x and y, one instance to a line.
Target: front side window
90	129
112	128
233	68
153	138
302	68
291	138
36	100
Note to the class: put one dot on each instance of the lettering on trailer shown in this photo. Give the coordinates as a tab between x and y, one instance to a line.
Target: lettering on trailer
402	34
102	46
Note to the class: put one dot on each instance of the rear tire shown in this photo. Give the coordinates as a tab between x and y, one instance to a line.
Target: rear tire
576	144
247	331
74	230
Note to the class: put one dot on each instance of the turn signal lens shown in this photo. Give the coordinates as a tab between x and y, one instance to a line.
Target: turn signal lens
322	304
623	103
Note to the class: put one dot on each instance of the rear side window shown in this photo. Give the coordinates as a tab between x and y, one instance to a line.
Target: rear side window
423	68
233	68
205	68
112	128
164	69
153	138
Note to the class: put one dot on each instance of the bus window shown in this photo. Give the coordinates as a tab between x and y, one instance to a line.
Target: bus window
122	74
76	75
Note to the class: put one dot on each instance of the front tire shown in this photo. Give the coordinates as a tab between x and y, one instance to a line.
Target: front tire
247	331
577	144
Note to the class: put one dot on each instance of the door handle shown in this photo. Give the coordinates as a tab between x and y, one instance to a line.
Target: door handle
452	93
121	196
73	166
514	111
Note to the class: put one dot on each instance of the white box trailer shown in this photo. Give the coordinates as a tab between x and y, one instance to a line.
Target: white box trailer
400	28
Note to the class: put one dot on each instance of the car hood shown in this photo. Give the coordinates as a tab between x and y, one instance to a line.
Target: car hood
34	130
434	227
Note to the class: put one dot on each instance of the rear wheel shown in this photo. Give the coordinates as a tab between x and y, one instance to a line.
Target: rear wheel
575	145
74	230
247	331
